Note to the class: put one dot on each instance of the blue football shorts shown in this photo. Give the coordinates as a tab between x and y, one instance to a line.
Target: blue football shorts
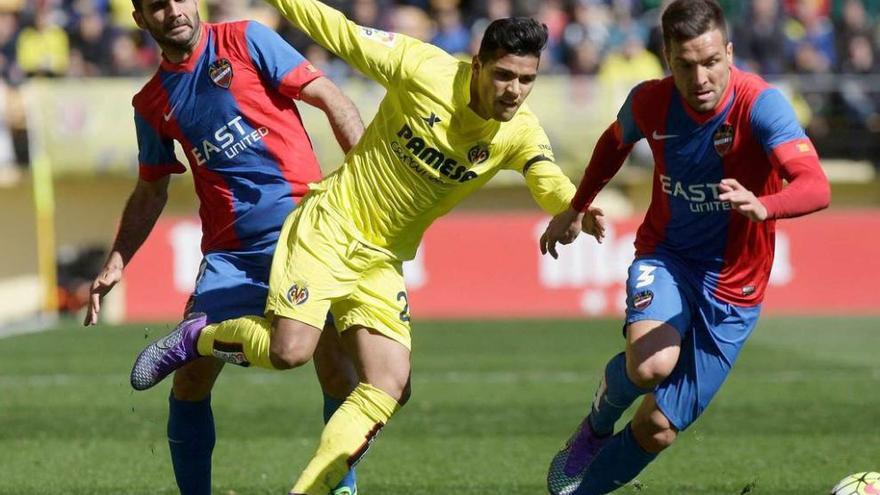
231	284
712	331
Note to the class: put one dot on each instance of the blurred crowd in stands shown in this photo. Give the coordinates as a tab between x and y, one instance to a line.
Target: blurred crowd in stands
814	46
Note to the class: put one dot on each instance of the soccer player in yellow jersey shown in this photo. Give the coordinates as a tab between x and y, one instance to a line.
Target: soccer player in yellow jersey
444	128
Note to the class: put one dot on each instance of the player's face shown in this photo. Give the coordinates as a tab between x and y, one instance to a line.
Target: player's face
701	68
174	24
500	86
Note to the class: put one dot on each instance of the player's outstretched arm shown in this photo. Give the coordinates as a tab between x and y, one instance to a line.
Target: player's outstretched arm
141	212
343	115
376	54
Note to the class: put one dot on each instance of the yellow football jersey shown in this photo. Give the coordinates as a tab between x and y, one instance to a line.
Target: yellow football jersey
425	150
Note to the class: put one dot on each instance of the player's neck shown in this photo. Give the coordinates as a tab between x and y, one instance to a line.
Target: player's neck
474	103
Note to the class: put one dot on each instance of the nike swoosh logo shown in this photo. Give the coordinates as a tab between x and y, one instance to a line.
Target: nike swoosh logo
661	137
169	114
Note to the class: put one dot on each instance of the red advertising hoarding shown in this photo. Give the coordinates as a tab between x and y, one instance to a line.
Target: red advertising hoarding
489	266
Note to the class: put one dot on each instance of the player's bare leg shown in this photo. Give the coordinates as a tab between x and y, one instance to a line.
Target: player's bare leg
292	343
338	377
651	428
652	350
334	367
384	369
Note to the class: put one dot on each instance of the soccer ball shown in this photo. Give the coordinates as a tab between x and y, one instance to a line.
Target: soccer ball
866	483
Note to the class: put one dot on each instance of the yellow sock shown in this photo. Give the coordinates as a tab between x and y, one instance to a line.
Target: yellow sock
346	438
243	341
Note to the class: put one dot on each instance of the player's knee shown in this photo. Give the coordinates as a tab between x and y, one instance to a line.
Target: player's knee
649	373
286	355
655	441
654	433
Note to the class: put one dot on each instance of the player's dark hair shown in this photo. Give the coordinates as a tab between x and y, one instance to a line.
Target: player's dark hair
512	35
136	4
684	20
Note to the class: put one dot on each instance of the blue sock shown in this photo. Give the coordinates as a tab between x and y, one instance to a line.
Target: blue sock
331	404
191	440
615	394
617	464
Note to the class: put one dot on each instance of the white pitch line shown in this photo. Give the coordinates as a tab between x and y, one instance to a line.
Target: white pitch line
455	377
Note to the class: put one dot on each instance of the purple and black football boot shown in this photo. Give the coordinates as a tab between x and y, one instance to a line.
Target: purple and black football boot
569	465
169	353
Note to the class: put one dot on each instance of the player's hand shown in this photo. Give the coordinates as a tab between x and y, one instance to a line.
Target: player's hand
110	275
563	229
594	223
742	200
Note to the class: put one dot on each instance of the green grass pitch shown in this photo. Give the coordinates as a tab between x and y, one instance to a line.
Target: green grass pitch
492	402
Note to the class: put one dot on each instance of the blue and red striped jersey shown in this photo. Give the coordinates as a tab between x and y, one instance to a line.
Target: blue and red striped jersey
750	133
230	108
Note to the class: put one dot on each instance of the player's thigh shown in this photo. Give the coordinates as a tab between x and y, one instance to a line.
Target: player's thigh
379	301
657	316
379	360
707	355
313	265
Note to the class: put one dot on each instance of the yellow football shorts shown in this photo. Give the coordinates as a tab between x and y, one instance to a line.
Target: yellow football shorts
319	266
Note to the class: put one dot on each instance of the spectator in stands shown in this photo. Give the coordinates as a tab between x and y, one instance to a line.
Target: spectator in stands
810	35
628	65
624	27
451	34
853	22
9	70
411	21
554	15
861	99
91	40
43	49
125	61
872	8
584	39
584	59
759	38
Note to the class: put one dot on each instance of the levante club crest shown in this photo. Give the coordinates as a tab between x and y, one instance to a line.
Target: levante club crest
220	71
479	153
723	139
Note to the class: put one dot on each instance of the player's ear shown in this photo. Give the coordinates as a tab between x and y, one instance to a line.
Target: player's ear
475	66
138	19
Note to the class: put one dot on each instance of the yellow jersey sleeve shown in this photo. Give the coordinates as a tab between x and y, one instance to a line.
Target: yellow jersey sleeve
384	57
550	188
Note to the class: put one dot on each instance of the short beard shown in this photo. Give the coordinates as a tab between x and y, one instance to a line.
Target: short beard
180	45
